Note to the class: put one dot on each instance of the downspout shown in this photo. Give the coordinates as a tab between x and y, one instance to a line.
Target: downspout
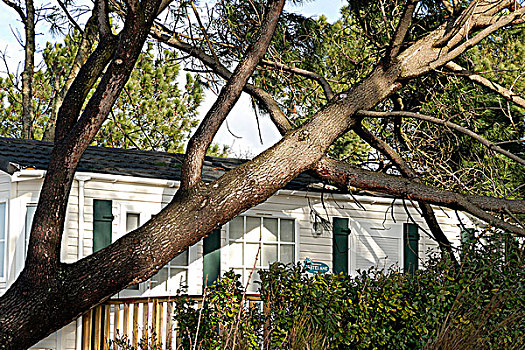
80	252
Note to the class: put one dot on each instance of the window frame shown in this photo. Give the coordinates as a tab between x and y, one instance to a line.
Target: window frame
246	268
5	201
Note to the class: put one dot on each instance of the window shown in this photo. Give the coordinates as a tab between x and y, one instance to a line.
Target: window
171	276
132	222
2	239
258	242
30	214
375	244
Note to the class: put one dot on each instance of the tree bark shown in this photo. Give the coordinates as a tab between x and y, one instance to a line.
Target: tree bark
49	294
27	74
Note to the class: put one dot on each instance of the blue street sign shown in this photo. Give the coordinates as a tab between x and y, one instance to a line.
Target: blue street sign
315	267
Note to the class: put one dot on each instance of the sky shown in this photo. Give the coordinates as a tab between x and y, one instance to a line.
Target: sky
241	120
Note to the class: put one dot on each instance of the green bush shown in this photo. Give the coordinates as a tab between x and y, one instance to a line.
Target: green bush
123	343
477	305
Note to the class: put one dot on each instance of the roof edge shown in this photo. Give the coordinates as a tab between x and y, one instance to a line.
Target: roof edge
8	166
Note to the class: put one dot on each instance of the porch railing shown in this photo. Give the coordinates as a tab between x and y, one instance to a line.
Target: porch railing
134	318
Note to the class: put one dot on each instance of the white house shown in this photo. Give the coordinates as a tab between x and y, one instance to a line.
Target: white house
117	190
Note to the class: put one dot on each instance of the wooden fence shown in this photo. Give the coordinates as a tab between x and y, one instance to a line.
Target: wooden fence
134	318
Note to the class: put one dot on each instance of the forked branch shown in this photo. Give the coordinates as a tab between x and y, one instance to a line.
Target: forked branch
191	171
402	29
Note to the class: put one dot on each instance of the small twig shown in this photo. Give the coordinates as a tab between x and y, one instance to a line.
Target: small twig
17	8
451	125
70	18
478	79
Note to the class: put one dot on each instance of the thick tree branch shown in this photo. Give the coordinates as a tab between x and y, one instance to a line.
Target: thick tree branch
87	76
457	25
438	56
29	67
500	23
473	135
478	79
89	36
406	171
102	14
343	174
401	30
43	256
198	145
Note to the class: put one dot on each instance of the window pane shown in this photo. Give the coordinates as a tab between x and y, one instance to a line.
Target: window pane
237	227
269	253
253	286
236	254
132	221
250	254
287	231
269	232
181	259
287	254
158	281
30	213
177	279
2	260
253	229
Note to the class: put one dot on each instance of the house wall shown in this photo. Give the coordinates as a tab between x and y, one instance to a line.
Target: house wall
5	189
385	215
382	217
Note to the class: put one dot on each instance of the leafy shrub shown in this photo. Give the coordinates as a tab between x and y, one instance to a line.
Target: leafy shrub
478	304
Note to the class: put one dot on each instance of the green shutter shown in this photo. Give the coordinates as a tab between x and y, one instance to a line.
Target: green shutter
102	223
212	258
340	246
410	248
468	236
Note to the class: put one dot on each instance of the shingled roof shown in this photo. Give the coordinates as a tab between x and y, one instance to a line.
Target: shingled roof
17	154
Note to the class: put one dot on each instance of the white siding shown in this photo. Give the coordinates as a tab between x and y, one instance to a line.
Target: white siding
375	238
5	189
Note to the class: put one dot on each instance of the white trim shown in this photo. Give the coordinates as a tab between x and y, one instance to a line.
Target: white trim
343	196
131	179
27	174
